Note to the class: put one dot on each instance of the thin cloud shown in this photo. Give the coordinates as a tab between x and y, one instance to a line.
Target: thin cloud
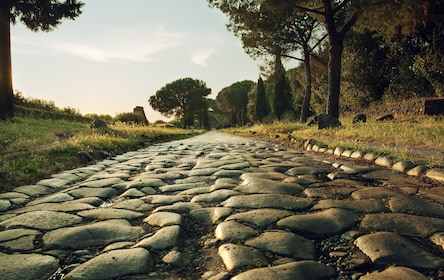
200	57
124	45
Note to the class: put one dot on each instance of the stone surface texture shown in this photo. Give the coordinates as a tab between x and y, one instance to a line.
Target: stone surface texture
221	207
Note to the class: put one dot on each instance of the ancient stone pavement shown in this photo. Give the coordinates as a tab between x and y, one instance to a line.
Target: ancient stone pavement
223	207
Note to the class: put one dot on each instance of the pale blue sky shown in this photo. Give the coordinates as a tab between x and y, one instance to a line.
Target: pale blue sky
114	56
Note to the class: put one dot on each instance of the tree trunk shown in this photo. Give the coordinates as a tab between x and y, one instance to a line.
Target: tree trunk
334	76
6	91
334	62
306	103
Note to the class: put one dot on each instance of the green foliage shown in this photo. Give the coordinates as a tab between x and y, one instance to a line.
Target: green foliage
107	118
365	70
44	15
260	104
129	118
233	100
280	101
183	98
42	109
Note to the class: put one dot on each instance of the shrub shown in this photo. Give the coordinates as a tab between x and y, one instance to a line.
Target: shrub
129	118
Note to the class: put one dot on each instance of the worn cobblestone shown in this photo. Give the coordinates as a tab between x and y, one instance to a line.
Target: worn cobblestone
223	207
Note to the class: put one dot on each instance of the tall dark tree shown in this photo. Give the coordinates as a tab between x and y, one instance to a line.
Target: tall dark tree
37	15
182	98
260	103
280	101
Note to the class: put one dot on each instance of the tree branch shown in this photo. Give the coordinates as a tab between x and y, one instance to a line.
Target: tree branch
289	56
317	44
305	9
340	6
349	25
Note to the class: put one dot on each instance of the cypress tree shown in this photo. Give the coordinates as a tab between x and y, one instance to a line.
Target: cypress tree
260	105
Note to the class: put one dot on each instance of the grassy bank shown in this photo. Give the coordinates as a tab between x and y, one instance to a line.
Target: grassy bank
32	149
420	139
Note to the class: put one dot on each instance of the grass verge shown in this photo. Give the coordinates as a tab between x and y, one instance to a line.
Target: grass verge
32	149
419	139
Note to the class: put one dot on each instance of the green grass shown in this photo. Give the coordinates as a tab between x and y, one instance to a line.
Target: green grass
420	140
32	149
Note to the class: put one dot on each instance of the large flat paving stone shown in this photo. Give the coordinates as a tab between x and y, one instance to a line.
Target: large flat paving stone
162	219
97	234
19	240
329	192
210	215
163	199
105	192
101	183
57	207
57	197
109	214
114	264
268	186
42	220
403	224
365	205
135	204
395	273
181	187
54	183
307	170
254	176
388	248
280	201
285	244
233	231
302	270
436	193
33	190
260	217
179	207
238	256
165	238
215	196
408	204
375	192
27	266
331	221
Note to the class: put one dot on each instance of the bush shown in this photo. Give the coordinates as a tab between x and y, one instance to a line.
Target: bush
129	118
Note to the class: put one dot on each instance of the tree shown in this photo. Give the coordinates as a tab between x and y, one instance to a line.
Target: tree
43	15
182	98
365	73
260	103
270	27
233	100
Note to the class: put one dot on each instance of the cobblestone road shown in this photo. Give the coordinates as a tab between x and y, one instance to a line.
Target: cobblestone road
223	207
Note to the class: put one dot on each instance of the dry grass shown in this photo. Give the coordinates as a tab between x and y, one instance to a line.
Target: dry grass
418	139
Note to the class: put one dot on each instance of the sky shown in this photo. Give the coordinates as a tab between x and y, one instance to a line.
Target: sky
114	56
